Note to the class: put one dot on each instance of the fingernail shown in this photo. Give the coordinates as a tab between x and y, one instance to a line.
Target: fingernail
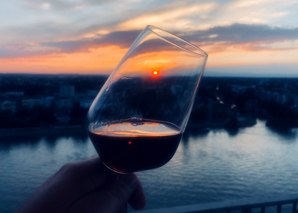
128	180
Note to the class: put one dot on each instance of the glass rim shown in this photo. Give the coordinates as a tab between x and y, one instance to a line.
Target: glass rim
151	28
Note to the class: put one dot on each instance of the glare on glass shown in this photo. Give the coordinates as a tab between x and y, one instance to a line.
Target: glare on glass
138	117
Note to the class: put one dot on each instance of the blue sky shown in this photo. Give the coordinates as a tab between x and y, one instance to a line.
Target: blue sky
257	37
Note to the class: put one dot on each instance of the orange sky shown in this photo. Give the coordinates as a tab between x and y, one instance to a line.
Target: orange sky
99	60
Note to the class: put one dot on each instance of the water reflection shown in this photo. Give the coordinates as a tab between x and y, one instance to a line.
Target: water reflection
34	137
194	130
80	135
233	132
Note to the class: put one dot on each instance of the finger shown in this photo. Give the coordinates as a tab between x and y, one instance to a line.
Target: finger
86	176
137	199
109	199
80	167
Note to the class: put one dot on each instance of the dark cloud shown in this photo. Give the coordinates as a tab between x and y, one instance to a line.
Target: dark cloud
242	33
253	36
122	39
233	34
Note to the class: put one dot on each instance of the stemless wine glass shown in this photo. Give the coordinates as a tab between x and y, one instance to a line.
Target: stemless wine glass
138	117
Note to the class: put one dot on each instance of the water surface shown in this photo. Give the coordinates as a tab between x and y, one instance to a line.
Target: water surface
215	166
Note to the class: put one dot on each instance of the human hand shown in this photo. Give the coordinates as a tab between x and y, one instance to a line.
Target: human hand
86	186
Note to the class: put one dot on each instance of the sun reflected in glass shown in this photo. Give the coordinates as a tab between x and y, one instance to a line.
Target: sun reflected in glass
155	73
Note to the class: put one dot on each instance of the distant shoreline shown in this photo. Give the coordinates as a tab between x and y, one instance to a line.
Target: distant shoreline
19	132
192	128
77	129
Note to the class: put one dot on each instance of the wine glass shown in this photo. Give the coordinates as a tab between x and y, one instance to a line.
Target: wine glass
137	119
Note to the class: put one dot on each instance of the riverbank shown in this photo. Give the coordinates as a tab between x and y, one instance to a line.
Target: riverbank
40	131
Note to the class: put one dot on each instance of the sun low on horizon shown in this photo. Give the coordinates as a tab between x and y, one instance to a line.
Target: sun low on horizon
91	37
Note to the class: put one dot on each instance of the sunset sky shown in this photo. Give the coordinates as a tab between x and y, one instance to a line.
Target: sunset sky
241	37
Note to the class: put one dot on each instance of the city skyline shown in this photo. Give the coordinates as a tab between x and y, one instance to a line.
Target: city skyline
57	100
255	38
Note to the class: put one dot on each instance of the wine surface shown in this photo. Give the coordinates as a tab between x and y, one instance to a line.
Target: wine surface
135	146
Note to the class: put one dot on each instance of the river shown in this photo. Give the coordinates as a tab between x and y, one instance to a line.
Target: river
215	166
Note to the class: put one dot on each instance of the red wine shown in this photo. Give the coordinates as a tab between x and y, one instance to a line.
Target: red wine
129	147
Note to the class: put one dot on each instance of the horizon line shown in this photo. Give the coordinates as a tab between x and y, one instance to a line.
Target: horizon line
107	75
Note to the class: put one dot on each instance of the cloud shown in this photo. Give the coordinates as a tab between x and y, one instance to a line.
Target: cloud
243	33
122	39
175	15
15	50
217	39
62	4
257	36
245	37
